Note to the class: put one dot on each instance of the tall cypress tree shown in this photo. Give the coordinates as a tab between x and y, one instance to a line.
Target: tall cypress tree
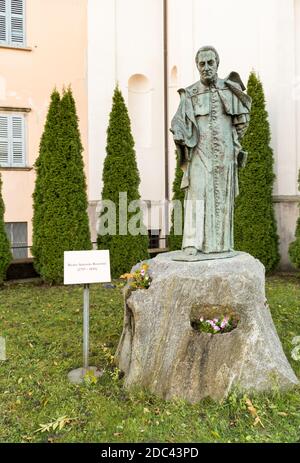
120	175
48	146
175	241
294	247
255	224
60	221
5	253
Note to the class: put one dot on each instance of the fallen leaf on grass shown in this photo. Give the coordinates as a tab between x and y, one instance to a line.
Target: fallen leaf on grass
253	412
251	408
258	421
27	438
57	424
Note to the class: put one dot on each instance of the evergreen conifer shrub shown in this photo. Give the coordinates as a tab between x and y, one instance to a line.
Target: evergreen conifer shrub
60	220
255	229
120	175
294	247
175	240
5	253
48	145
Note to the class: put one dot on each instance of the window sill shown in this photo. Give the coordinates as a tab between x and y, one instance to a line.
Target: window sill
13	109
15	47
17	169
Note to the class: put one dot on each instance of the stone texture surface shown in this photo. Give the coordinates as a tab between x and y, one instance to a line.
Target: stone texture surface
159	349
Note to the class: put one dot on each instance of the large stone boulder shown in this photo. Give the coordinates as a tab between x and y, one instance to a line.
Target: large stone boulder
160	350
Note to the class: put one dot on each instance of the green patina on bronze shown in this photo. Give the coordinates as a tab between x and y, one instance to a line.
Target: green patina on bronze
211	119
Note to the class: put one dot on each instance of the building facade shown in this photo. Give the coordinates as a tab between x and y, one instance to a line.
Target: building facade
39	50
148	49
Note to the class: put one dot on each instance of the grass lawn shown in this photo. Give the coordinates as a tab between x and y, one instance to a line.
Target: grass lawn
42	326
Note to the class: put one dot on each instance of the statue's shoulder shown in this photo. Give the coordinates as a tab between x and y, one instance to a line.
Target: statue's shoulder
234	79
236	86
194	89
221	84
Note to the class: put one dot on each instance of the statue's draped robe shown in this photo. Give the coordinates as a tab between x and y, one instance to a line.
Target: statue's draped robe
207	128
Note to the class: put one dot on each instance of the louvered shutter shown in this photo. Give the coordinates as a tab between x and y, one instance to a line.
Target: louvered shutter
17	145
3	22
17	22
4	141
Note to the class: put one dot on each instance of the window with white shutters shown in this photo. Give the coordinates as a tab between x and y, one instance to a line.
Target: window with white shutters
4	141
3	22
12	140
12	22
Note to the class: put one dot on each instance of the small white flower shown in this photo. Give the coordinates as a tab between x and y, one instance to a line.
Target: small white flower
296	340
296	353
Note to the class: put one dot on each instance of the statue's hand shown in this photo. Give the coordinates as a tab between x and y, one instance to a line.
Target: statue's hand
241	129
242	159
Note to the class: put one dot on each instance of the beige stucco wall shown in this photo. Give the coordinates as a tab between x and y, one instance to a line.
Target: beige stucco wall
125	46
286	213
56	32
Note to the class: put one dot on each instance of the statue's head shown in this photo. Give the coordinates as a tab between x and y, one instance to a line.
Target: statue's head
207	61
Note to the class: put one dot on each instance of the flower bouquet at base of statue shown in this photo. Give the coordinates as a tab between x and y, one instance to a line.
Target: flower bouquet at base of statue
139	279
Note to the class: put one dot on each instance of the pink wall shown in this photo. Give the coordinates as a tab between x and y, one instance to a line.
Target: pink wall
56	31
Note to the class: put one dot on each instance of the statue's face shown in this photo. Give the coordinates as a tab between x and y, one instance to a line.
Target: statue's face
207	65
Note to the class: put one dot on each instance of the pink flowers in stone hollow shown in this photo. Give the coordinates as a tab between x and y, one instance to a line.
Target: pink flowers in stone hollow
224	322
213	324
220	325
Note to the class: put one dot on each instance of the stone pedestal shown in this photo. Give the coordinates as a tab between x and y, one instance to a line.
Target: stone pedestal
161	351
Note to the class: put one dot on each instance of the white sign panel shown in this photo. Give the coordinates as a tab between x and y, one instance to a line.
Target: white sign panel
82	267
